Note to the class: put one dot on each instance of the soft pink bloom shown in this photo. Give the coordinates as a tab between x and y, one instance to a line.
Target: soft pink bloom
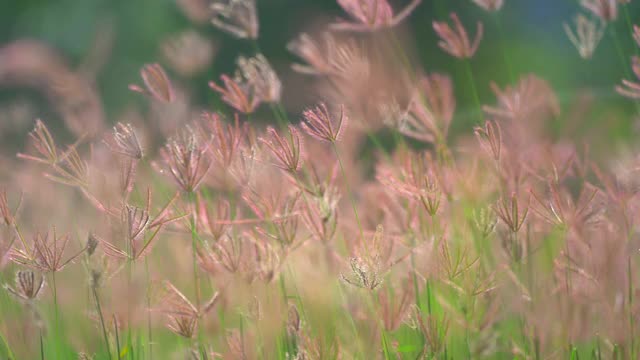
322	125
370	15
455	41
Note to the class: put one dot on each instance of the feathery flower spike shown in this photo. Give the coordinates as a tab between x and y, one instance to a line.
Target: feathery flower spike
320	124
371	15
587	35
455	41
123	140
236	17
156	82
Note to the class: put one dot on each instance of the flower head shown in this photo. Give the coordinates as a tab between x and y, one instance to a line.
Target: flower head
320	124
511	212
182	316
607	10
236	17
124	141
46	253
258	73
371	15
587	35
187	160
629	88
237	94
287	149
156	83
455	41
27	285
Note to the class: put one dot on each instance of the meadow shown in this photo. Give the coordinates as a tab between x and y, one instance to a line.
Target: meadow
402	184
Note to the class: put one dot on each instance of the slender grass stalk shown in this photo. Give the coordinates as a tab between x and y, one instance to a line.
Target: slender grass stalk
56	321
115	326
102	324
149	327
41	347
474	91
351	195
505	55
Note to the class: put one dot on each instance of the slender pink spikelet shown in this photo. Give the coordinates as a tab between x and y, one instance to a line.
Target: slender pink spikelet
260	76
28	286
371	15
630	88
320	124
455	41
587	35
490	138
123	140
46	253
8	215
288	149
182	316
431	111
186	158
511	212
136	223
156	82
636	34
236	17
238	95
607	10
44	145
313	52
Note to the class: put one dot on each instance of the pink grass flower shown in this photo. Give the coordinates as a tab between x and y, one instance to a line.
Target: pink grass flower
186	159
236	17
371	15
156	83
455	41
322	125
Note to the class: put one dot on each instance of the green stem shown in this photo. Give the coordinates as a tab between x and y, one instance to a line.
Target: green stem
149	329
350	193
474	91
104	328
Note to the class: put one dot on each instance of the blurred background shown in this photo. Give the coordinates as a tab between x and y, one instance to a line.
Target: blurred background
108	41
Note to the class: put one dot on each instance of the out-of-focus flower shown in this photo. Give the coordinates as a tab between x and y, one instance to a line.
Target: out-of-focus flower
287	149
370	266
182	315
188	52
629	88
136	222
258	73
198	11
213	216
8	215
320	124
489	5
371	15
587	35
607	10
44	145
416	180
636	34
455	41
511	212
156	83
27	285
431	110
313	52
186	158
236	17
45	253
123	140
490	138
237	94
395	305
530	96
